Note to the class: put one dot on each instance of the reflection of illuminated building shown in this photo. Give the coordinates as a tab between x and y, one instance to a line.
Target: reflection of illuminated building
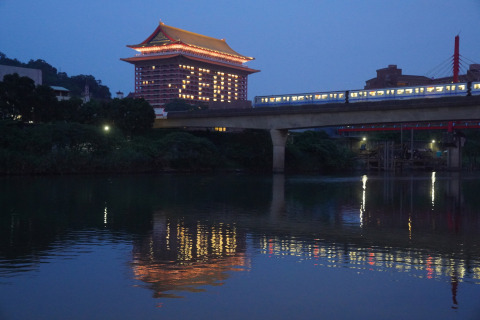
415	262
182	257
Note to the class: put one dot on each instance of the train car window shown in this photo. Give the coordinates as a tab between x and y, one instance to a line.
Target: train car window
461	87
430	89
380	92
372	93
400	91
278	99
317	97
476	86
294	98
408	91
353	94
301	98
390	92
272	99
324	96
286	98
341	94
439	89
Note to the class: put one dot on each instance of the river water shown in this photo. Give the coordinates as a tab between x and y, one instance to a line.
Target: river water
240	247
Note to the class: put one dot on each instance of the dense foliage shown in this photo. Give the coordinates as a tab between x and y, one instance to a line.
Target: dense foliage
315	151
21	100
60	148
51	77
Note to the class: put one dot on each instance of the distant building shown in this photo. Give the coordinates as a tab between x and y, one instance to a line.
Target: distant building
61	93
120	95
392	77
34	74
178	64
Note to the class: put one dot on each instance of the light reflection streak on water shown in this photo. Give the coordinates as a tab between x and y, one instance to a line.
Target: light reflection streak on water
364	197
433	190
410	226
105	214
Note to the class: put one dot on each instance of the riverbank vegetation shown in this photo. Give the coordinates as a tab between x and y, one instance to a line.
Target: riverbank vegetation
75	148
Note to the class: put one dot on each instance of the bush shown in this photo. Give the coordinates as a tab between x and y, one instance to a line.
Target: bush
181	150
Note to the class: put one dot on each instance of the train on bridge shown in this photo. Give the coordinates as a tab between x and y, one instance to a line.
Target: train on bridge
369	95
362	95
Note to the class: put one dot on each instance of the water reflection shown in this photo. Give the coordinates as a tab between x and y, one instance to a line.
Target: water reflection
191	233
178	256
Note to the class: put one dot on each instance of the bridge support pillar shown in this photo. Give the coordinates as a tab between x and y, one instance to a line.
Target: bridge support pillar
454	154
279	139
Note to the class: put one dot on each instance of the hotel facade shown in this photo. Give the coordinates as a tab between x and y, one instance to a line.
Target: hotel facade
177	64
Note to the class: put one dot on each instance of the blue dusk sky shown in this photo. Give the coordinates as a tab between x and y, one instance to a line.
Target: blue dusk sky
299	46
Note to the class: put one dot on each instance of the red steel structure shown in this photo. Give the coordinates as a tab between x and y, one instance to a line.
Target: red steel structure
176	64
456	60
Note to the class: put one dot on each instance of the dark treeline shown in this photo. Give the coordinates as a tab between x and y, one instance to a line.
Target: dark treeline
51	77
66	148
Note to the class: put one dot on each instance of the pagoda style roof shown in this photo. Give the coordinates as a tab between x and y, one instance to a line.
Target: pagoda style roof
135	59
165	36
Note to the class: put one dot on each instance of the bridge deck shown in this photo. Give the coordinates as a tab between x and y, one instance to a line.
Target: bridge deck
308	116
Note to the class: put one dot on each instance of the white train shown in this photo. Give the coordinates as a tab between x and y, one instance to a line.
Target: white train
352	96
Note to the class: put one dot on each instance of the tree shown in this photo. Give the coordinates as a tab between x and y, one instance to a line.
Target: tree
45	105
68	110
133	116
17	96
94	112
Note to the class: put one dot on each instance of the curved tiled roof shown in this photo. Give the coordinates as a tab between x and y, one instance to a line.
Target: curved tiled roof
164	35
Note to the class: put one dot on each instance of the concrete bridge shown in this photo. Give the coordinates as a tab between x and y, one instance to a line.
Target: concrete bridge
278	120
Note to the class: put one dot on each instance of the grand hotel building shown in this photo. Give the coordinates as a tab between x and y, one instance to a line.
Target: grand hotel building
173	63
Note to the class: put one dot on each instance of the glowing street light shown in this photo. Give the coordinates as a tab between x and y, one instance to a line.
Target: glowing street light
106	128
